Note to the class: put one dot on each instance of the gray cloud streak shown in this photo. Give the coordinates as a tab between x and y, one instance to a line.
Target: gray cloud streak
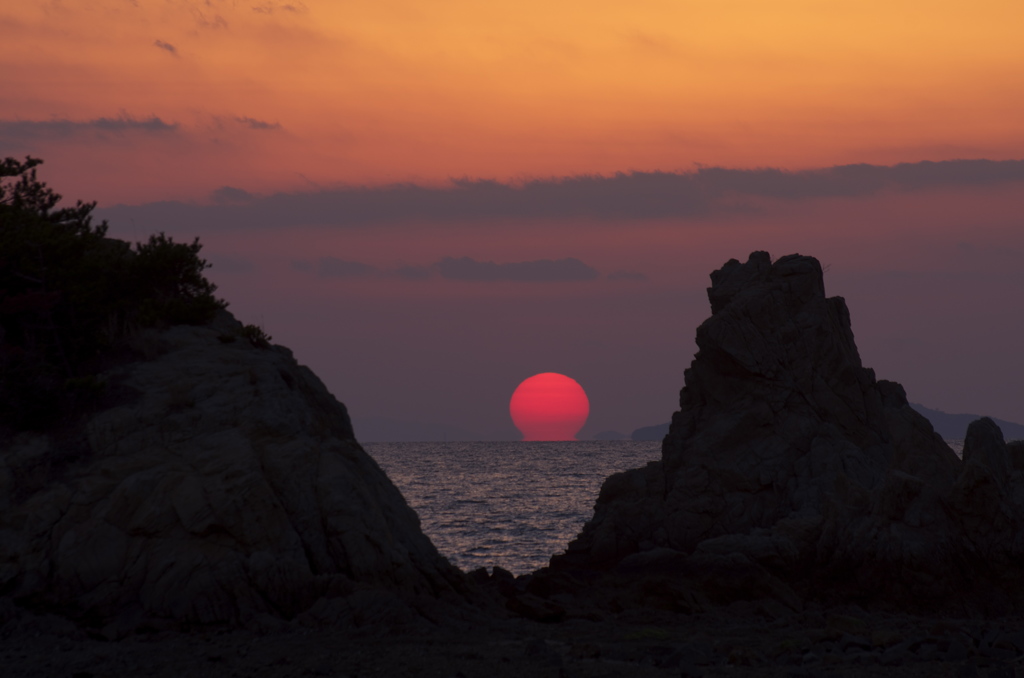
227	195
166	46
542	270
271	7
462	269
253	123
14	131
633	196
331	267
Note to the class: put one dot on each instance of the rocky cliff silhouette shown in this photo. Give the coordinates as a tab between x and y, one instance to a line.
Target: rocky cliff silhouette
227	486
791	473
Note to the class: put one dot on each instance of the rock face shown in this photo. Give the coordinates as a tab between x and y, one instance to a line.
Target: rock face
228	487
791	472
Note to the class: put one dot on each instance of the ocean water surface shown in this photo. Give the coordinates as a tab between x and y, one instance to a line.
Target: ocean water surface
511	504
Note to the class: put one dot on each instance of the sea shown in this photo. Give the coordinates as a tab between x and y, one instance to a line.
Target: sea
508	504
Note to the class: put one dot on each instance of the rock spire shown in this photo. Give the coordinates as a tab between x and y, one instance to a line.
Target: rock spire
791	472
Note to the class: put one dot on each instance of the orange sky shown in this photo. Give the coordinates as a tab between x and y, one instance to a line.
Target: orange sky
277	95
149	102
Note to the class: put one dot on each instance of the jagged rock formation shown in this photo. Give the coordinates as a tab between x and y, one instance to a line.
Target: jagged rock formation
228	486
791	472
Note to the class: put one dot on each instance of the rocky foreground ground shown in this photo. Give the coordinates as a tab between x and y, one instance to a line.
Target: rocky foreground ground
732	641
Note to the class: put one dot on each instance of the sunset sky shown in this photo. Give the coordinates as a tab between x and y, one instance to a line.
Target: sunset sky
429	202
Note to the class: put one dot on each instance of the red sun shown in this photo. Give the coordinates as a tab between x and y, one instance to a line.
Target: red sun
549	406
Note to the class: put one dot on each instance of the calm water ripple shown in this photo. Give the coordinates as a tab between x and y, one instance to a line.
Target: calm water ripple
511	504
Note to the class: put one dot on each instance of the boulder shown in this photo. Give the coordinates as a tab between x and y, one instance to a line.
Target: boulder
790	463
224	485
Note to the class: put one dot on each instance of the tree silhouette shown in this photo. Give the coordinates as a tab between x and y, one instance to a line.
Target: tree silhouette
69	294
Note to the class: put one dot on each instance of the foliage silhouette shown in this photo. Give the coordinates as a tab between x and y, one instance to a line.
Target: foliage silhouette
257	336
69	295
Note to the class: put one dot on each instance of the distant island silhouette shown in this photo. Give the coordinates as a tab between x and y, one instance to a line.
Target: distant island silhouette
954	426
949	426
656	432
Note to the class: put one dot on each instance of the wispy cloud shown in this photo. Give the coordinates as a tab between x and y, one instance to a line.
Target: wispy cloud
413	272
166	46
451	268
541	270
625	196
253	123
232	264
14	131
229	195
331	267
207	20
271	7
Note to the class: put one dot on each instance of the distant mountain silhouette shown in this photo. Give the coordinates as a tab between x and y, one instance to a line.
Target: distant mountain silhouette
954	426
656	432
